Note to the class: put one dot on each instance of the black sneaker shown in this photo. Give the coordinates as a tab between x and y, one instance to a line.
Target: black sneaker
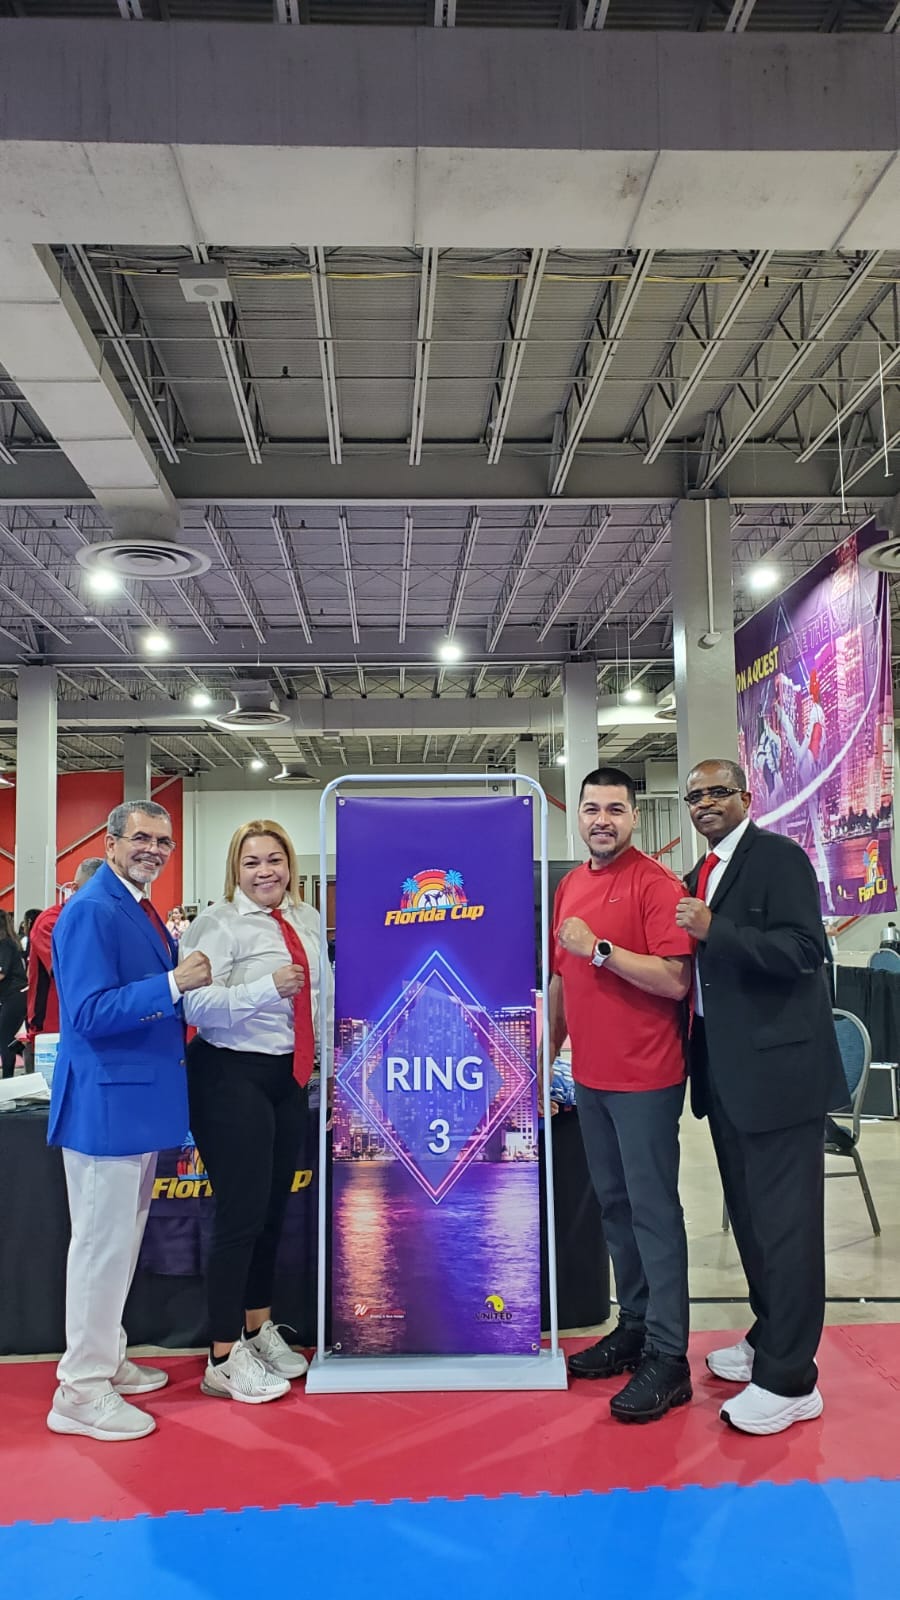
618	1352
659	1383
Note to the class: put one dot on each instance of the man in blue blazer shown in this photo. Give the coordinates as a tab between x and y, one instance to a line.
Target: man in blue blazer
119	1096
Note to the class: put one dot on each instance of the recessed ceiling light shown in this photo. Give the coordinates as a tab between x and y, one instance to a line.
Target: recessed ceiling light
257	764
155	642
449	650
633	695
201	699
762	578
561	759
102	581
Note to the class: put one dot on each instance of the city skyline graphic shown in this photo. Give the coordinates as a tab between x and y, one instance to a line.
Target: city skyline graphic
473	1084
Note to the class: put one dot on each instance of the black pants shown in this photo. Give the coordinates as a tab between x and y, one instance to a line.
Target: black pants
248	1115
774	1190
631	1144
12	1015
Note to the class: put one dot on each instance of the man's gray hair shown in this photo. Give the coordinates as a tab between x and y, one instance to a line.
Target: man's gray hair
117	821
86	869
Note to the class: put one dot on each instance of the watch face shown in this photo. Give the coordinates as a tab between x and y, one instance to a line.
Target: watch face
604	948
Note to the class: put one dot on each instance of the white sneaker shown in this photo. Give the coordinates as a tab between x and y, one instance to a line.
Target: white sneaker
243	1377
132	1379
277	1354
107	1418
734	1362
757	1410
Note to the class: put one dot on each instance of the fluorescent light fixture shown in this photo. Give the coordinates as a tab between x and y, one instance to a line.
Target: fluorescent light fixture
102	581
201	699
257	764
155	642
762	578
449	650
632	695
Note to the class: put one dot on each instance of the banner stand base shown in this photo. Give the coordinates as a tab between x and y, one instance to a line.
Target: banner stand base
412	1374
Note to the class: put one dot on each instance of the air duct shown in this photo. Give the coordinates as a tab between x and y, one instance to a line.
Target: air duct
256	708
293	775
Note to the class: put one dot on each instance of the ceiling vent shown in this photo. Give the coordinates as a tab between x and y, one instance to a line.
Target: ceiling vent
293	775
256	708
151	560
204	284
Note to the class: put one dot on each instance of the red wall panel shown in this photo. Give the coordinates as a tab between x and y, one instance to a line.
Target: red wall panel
83	803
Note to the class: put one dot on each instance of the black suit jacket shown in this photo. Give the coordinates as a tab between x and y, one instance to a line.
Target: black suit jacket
771	1049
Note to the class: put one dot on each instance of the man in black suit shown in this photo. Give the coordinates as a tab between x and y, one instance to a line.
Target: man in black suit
765	1068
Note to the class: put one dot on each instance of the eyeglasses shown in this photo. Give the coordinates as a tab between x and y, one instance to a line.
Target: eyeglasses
145	840
717	792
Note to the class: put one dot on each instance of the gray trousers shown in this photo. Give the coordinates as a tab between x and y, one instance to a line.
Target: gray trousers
631	1144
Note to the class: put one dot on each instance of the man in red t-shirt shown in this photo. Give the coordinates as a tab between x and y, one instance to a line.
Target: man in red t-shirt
42	1005
621	971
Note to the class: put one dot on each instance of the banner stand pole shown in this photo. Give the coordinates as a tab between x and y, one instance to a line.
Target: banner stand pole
329	1374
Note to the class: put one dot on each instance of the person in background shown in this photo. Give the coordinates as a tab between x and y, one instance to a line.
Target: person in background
248	1076
176	922
42	1003
621	970
26	925
118	1097
765	1068
12	992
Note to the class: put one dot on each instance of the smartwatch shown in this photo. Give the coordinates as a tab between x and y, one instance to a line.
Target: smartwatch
602	952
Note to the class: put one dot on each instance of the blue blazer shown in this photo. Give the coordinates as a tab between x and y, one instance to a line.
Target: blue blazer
119	1086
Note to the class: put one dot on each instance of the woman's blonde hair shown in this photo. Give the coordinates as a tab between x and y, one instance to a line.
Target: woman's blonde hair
262	828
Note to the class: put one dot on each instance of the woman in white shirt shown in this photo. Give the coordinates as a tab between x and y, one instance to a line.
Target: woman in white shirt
248	1071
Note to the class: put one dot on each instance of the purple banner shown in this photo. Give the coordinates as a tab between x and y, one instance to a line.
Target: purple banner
436	1207
816	724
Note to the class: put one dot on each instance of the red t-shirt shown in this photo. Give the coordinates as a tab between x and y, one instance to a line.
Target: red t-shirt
42	1006
622	1038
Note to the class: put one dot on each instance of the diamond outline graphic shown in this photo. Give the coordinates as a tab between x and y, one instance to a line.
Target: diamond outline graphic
515	1066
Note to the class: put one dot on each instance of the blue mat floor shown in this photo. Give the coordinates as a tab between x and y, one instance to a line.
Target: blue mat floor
831	1541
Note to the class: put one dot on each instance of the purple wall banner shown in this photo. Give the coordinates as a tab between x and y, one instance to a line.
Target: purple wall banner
816	724
436	1194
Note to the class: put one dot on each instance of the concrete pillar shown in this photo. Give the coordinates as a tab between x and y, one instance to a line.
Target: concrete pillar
580	736
35	789
528	763
703	642
136	766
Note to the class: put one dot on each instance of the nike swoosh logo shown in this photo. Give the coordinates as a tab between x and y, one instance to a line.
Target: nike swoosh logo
614	900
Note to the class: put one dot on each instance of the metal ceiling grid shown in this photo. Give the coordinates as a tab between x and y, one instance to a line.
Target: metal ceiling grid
571	295
686	15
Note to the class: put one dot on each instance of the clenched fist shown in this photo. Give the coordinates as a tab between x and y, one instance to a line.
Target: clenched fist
289	980
194	972
576	937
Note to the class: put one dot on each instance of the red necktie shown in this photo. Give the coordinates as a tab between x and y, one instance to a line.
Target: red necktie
150	911
304	1037
707	866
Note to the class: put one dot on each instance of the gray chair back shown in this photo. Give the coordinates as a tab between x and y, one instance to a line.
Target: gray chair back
856	1056
885	961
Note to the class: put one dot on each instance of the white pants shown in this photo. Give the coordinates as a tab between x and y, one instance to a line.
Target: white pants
109	1198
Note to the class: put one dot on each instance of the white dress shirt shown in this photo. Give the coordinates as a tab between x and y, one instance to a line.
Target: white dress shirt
242	1009
140	897
724	850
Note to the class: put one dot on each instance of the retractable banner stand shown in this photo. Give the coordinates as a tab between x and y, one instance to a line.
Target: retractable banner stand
435	1222
816	724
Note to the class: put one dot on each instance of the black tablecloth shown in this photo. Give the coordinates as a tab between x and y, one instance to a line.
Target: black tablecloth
171	1311
874	997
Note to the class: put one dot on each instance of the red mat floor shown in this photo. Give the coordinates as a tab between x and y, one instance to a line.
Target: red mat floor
345	1449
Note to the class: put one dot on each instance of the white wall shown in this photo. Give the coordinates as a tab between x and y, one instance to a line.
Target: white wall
213	812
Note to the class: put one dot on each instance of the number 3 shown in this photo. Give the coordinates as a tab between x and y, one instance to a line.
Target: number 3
441	1143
